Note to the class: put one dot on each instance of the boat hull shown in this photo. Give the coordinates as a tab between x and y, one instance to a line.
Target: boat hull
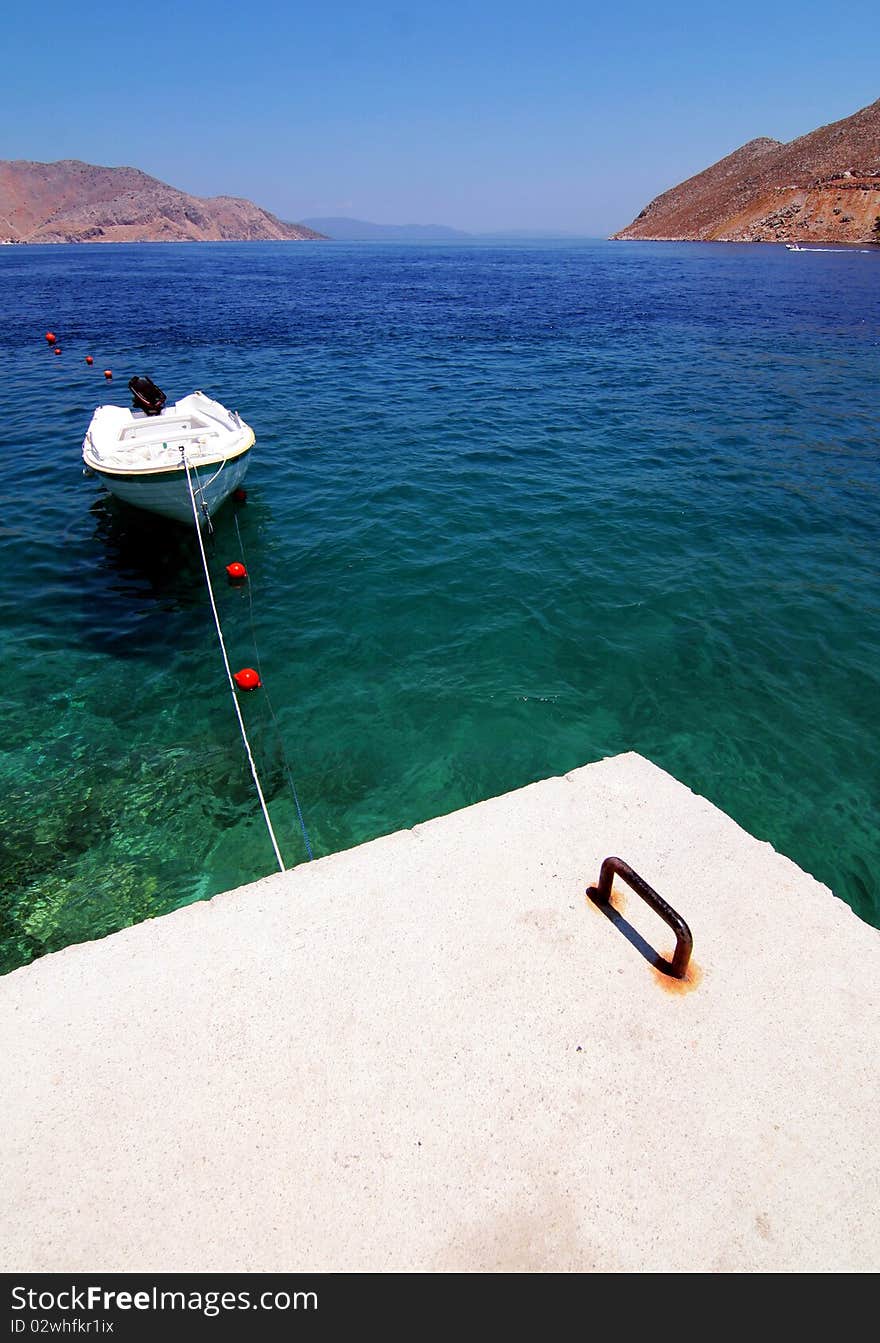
167	492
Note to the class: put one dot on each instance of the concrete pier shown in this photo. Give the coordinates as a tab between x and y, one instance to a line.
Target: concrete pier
433	1052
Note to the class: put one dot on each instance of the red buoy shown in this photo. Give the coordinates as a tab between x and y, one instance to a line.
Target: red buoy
51	337
236	570
239	495
89	359
57	349
247	679
108	372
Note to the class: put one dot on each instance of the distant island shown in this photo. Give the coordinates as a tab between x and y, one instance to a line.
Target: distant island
340	229
822	187
70	201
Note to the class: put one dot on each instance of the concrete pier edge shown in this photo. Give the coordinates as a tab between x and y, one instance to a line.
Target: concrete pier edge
434	1053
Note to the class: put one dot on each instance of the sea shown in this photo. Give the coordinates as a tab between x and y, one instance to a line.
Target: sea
513	507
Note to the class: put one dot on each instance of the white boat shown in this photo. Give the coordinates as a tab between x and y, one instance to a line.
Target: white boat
796	247
154	458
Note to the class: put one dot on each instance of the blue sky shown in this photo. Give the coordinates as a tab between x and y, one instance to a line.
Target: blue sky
483	116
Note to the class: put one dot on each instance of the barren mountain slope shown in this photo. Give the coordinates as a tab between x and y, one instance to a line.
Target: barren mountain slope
70	201
824	186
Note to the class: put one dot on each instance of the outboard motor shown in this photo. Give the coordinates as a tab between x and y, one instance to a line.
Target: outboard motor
146	396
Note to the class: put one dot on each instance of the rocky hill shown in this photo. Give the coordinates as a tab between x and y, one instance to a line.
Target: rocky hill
71	201
822	187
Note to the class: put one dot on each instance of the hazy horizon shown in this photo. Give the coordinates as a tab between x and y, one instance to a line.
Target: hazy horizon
566	120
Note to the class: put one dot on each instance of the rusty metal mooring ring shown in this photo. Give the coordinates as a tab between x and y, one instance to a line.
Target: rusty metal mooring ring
684	942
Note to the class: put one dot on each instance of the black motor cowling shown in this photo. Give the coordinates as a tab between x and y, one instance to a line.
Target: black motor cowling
146	396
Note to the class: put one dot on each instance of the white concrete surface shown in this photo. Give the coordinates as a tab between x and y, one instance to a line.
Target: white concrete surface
433	1053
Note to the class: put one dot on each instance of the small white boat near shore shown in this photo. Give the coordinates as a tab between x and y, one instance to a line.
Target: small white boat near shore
158	458
842	249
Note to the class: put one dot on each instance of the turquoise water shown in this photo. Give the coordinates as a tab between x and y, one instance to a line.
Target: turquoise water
511	509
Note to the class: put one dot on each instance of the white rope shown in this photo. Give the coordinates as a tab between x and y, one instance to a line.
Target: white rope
202	487
244	737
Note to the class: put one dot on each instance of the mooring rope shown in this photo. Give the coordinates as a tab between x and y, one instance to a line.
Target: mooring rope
200	490
244	736
288	770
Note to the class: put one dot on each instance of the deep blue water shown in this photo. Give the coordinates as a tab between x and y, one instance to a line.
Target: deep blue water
511	509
